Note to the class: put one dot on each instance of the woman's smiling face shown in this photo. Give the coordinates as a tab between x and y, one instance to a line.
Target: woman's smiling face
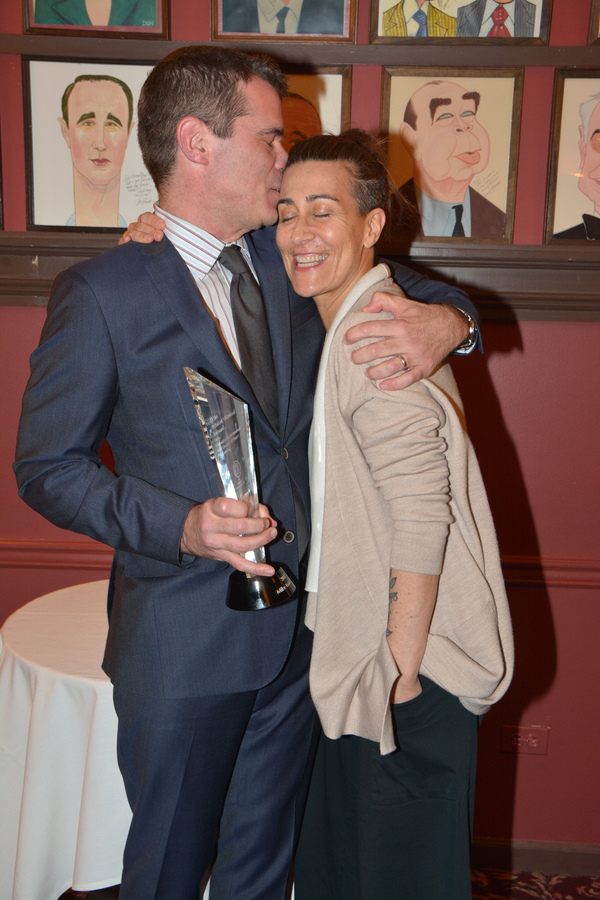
326	244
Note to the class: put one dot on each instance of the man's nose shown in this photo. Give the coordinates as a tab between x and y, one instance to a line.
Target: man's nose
463	126
281	157
99	138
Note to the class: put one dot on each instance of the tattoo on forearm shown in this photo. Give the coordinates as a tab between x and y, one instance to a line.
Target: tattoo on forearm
393	596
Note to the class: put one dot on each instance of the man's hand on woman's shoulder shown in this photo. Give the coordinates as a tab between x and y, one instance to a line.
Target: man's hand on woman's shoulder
412	344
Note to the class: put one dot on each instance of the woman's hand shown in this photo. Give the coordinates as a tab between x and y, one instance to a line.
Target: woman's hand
406	689
149	227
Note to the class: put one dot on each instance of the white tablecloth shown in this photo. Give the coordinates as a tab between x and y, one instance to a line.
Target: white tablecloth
64	815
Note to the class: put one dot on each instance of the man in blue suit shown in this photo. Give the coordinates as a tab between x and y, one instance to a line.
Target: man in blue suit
215	719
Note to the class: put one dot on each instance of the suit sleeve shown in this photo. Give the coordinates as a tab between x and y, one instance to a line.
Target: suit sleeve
426	290
66	414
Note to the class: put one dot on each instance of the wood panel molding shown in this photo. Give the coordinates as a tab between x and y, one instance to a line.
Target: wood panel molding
551	857
26	554
506	282
519	571
535	571
433	53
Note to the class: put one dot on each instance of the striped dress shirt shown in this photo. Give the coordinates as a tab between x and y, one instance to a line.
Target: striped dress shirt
200	252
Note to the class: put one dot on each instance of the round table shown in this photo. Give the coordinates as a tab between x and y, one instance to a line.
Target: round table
64	812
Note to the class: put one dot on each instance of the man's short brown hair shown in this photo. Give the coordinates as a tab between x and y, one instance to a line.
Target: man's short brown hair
196	81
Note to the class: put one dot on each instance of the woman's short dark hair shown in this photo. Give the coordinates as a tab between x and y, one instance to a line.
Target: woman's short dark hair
364	154
196	81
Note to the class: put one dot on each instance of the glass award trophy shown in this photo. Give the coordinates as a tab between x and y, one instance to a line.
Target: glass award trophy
225	424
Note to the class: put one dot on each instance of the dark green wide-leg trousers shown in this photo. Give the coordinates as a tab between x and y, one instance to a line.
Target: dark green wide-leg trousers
394	827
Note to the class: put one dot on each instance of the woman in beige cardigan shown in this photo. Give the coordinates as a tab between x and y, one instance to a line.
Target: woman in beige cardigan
412	636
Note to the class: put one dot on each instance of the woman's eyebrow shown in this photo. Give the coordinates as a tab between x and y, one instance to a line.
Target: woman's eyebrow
312	197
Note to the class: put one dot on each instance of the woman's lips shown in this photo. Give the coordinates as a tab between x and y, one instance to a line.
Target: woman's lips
471	159
100	163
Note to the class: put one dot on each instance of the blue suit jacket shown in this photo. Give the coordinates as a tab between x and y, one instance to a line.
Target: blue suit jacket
316	17
120	329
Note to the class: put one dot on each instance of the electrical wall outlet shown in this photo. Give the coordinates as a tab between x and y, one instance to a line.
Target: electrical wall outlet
525	739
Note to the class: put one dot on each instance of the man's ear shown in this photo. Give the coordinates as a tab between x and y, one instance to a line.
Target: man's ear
374	227
582	144
194	139
65	131
409	139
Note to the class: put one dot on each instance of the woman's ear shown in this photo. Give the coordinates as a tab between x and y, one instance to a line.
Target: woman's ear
373	227
193	137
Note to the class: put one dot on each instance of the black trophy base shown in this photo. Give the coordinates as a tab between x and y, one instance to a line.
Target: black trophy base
249	592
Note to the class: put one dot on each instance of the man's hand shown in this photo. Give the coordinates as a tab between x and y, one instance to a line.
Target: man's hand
149	227
423	334
221	529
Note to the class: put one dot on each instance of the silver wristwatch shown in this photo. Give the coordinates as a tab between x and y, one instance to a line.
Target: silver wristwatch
468	345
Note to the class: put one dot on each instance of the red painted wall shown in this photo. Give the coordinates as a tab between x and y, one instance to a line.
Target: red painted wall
532	410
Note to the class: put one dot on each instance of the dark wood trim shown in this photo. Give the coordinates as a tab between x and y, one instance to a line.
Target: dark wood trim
322	52
550	857
507	282
535	571
593	37
16	554
518	571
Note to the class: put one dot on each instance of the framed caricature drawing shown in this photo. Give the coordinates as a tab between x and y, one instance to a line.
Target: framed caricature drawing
318	102
284	20
453	138
84	166
490	21
573	199
126	18
594	32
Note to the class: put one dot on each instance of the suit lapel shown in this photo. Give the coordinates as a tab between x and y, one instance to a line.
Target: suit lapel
178	290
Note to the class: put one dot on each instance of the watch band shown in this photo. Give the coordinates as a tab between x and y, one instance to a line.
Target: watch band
470	341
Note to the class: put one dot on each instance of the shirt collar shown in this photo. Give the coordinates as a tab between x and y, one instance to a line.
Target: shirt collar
438	218
411	7
270	8
491	5
198	248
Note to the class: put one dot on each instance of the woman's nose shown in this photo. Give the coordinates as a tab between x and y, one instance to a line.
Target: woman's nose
302	231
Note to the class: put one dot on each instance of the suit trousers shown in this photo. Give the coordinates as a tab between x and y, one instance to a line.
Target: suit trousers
394	827
218	779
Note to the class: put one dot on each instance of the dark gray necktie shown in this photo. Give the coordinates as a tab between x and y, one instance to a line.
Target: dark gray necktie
252	332
281	19
459	230
421	19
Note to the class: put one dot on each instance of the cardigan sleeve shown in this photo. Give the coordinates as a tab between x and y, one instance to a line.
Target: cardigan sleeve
399	435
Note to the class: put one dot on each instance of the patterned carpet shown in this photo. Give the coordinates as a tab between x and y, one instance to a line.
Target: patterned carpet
488	884
493	884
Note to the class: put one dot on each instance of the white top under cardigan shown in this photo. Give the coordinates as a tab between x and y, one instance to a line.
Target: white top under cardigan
395	484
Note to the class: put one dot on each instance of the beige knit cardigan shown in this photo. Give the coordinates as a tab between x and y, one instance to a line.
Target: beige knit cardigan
395	484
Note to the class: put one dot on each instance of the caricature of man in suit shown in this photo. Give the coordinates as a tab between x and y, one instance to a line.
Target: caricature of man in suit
96	123
417	18
215	734
449	146
589	182
283	16
496	18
